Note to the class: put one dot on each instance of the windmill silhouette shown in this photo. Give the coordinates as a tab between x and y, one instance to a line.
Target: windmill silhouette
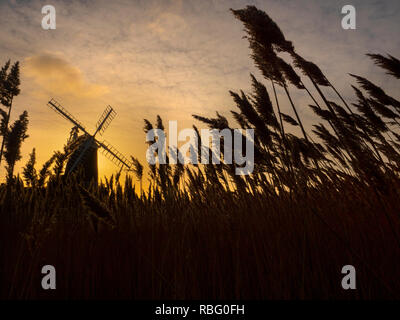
85	155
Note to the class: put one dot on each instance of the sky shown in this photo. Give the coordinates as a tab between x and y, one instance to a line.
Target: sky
172	58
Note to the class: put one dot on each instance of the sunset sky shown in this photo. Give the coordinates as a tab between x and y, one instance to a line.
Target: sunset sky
172	58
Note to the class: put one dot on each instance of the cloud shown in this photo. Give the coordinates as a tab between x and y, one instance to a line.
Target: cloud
168	24
53	73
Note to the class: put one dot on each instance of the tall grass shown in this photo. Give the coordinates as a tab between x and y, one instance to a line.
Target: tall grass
207	243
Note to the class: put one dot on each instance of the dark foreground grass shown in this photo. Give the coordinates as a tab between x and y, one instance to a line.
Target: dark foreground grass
221	245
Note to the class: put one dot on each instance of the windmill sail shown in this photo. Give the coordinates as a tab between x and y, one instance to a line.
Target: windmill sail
53	104
114	155
105	120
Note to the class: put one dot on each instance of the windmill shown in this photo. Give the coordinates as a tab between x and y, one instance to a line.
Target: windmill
85	155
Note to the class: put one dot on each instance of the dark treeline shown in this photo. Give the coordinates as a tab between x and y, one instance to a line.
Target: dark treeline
314	203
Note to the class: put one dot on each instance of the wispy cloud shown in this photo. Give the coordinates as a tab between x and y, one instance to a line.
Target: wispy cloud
54	75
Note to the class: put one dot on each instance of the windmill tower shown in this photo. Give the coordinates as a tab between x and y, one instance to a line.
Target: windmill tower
85	156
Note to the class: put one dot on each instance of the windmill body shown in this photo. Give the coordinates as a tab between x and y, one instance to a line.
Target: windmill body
88	163
84	158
